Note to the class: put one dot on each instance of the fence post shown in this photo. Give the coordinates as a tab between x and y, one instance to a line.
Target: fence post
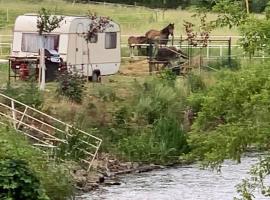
220	51
7	15
230	51
207	51
13	114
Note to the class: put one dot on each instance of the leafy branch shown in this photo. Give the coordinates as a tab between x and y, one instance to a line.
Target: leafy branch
97	25
201	38
47	22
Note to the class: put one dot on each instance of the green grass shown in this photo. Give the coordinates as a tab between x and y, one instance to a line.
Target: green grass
132	20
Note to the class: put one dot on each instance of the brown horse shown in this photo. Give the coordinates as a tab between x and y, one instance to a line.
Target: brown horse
160	36
134	41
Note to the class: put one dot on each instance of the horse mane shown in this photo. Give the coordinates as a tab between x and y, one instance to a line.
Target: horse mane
165	30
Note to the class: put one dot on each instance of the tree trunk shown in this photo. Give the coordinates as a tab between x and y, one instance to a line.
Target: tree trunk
247	6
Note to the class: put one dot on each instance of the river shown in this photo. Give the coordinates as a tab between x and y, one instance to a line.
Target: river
181	183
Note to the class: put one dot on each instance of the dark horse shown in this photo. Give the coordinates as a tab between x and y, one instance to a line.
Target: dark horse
160	36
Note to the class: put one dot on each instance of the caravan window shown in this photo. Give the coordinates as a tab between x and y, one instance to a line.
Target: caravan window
32	42
110	40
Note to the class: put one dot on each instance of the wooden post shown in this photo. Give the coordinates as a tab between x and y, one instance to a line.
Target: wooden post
230	51
201	60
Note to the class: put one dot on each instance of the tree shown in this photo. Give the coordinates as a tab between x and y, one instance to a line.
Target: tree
46	23
96	25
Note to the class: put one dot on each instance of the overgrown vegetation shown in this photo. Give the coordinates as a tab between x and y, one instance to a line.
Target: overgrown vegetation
18	182
27	93
32	173
71	86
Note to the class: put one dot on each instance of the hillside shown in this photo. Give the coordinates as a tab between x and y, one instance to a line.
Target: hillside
133	20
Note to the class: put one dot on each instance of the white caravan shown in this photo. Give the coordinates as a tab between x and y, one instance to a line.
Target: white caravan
100	56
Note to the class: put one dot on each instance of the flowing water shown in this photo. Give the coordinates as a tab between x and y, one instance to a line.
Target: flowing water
182	183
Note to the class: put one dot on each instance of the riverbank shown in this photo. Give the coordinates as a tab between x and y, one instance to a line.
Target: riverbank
106	171
187	182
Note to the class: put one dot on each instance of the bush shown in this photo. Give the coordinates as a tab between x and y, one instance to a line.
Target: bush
163	143
18	182
234	115
156	98
150	128
55	179
71	85
195	83
27	93
224	63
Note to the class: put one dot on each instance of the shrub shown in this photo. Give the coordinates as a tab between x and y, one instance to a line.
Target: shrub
234	115
28	94
195	83
18	182
154	99
163	143
55	179
225	63
71	85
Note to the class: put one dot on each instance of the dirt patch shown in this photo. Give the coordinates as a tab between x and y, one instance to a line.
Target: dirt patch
135	68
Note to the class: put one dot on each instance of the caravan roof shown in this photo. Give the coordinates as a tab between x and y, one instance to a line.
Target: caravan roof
28	23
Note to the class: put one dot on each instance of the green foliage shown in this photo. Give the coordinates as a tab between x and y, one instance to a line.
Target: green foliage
71	85
234	115
225	63
231	13
255	31
168	76
28	94
195	83
150	128
156	98
163	143
255	35
258	6
259	173
106	94
18	182
55	179
75	147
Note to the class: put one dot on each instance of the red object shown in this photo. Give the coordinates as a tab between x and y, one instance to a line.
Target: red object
24	71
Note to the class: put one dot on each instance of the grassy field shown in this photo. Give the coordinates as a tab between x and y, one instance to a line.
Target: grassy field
133	20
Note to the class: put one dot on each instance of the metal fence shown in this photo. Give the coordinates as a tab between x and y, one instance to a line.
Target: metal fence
45	131
212	51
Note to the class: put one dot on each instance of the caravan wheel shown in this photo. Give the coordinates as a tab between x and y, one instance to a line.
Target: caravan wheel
96	77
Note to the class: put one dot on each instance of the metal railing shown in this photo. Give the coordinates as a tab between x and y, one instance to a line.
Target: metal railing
44	130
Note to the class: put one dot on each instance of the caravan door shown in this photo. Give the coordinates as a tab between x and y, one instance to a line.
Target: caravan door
79	46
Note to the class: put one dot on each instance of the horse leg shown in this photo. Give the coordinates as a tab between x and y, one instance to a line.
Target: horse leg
131	51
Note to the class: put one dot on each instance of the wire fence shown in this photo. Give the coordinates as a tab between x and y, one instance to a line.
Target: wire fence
212	51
